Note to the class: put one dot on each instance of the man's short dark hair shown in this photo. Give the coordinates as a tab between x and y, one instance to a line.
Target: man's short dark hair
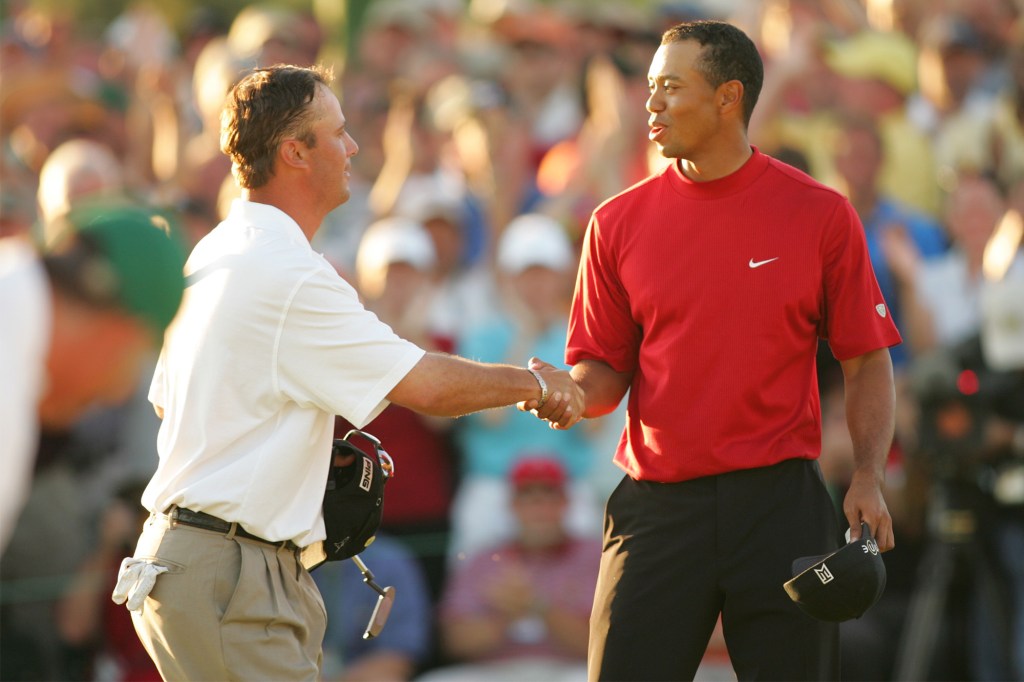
267	106
728	54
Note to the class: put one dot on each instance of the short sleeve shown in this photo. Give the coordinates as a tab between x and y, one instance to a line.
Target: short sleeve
336	355
601	324
857	318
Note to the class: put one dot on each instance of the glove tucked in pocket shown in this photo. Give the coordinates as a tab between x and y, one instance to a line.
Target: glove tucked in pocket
135	580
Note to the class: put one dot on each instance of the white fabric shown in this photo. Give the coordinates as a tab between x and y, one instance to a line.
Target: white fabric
1002	310
952	297
135	580
25	326
269	345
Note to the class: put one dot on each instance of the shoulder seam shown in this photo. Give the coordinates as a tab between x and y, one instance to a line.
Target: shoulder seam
797	176
629	190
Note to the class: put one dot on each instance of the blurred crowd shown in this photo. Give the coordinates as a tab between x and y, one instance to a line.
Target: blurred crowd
488	131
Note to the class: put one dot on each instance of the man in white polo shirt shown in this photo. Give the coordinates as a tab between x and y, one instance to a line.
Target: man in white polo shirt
270	344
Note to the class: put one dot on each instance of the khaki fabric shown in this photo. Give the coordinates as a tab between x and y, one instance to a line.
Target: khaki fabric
228	608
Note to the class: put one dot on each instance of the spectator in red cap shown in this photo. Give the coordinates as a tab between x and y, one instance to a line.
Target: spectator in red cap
535	262
521	611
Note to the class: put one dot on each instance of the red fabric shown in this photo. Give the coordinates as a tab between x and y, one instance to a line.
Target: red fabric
716	293
533	470
424	466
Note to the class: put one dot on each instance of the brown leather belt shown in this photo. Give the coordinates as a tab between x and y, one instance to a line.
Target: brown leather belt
187	517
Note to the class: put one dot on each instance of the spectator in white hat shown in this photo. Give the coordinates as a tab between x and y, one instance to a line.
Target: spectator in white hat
535	264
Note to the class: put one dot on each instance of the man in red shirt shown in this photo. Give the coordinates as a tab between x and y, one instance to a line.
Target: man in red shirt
703	290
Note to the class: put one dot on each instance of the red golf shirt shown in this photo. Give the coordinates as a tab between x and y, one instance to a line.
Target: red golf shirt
715	294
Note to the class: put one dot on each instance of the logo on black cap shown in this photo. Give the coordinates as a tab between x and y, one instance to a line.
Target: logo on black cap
824	575
844	588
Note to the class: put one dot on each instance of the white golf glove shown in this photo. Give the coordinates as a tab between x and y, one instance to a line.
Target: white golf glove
134	582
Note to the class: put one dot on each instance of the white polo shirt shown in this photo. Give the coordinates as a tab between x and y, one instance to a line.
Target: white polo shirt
270	343
26	317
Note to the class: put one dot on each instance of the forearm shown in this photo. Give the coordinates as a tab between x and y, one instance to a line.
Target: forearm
602	386
449	386
918	322
870	411
870	408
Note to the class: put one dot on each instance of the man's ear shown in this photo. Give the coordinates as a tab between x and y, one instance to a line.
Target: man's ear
292	152
730	97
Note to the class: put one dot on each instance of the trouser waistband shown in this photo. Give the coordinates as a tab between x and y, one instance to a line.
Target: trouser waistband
197	519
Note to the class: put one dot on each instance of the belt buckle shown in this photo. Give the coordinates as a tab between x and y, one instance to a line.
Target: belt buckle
172	516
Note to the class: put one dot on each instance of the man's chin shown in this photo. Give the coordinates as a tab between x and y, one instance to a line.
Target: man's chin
342	199
668	152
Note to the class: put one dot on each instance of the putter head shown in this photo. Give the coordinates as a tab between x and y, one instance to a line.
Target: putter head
380	613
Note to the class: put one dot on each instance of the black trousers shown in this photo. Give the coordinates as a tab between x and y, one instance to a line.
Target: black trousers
676	555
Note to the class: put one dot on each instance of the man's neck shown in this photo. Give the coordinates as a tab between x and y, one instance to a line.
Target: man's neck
718	165
307	216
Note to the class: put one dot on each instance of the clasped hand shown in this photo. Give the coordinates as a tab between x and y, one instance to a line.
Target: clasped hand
565	404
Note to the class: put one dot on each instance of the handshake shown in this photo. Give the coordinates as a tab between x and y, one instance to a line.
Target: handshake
565	402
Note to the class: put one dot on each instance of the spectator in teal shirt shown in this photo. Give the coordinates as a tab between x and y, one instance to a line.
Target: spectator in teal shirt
535	263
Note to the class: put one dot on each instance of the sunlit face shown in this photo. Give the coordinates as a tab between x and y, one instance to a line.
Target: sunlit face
540	510
538	286
113	356
683	117
329	157
859	159
973	211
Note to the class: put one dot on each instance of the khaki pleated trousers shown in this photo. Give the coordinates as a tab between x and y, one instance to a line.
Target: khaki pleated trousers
228	608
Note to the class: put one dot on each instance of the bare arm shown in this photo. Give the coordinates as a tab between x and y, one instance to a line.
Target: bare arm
904	262
870	408
781	73
917	319
602	386
450	386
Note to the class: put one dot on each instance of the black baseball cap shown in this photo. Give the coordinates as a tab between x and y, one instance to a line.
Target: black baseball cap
841	585
354	500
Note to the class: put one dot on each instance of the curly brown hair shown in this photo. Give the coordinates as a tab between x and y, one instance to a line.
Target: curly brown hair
264	108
